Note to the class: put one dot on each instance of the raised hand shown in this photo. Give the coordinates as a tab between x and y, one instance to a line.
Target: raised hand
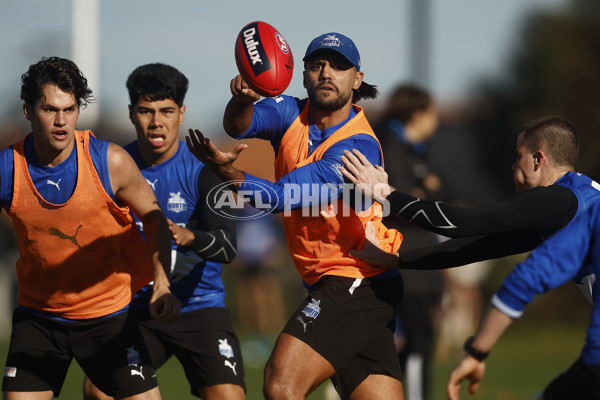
371	180
220	162
242	92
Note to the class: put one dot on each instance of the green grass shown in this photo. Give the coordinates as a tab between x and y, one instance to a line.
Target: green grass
522	363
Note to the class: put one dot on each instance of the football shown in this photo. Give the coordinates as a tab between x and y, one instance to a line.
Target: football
264	59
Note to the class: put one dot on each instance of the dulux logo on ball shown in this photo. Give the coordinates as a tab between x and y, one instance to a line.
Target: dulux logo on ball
255	51
224	202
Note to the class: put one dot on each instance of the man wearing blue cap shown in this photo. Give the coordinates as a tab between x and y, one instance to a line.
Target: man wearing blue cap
343	329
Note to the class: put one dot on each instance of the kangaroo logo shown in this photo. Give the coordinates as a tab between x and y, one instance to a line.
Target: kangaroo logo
304	324
176	203
312	309
152	184
230	365
225	348
49	182
56	232
138	373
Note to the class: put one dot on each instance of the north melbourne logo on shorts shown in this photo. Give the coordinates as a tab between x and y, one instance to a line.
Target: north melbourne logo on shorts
225	348
133	357
312	309
10	372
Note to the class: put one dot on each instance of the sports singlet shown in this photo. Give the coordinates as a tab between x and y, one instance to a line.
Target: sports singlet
77	258
320	244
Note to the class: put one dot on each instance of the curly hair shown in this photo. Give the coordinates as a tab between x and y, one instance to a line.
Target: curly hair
56	71
157	82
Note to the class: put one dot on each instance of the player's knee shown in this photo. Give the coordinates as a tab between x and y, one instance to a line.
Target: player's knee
275	387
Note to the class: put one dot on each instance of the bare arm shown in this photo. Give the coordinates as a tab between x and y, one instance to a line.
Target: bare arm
238	112
491	328
130	187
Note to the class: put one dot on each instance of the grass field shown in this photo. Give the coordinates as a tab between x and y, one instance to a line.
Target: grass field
525	359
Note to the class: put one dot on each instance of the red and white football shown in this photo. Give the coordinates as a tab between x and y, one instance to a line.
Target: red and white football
264	59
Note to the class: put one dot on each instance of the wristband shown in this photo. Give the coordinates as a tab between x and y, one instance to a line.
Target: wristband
473	352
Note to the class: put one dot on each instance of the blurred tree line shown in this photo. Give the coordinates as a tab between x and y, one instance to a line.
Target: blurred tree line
554	70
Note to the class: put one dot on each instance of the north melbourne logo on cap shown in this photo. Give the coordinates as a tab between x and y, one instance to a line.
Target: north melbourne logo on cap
331	41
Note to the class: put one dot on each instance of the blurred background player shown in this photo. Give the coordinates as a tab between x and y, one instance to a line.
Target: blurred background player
202	338
81	256
344	328
409	122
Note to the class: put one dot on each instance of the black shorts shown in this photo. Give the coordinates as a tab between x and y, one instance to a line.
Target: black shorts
351	324
204	343
109	350
579	382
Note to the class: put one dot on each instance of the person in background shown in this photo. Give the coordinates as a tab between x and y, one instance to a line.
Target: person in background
408	125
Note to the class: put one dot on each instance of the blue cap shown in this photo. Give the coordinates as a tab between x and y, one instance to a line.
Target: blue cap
336	42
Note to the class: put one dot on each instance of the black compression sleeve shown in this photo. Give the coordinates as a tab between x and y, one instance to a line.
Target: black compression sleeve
543	208
463	251
215	237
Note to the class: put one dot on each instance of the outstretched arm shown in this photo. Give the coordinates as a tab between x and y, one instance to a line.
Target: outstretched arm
131	187
310	185
543	208
452	253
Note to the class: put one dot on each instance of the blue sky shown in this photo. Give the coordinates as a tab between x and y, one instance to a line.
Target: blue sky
470	40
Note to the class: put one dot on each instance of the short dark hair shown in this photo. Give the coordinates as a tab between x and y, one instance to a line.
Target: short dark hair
157	81
56	71
406	100
556	136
